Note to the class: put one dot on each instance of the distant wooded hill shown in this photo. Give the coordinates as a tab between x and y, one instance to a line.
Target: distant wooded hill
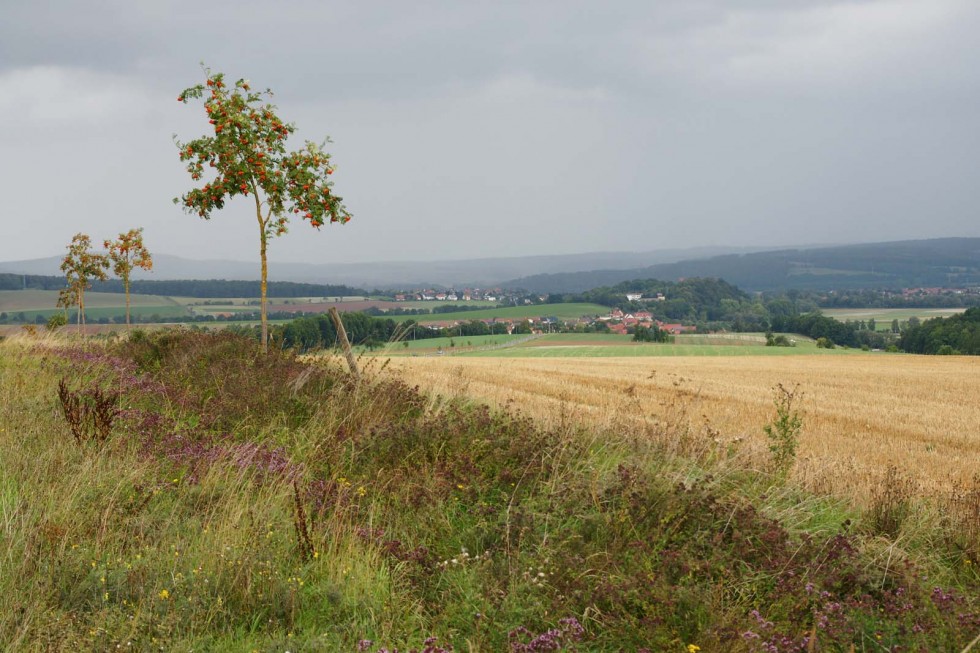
944	262
209	288
485	272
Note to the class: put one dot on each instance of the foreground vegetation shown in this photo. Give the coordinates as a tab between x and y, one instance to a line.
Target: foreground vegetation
864	414
226	500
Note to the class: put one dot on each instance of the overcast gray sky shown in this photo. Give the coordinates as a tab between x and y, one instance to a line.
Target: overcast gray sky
505	128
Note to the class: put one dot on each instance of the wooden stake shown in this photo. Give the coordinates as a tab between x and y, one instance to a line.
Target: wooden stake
345	343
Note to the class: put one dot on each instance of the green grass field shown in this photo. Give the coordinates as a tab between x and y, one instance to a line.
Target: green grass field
561	311
884	316
226	301
449	345
645	350
608	345
34	303
92	314
40	300
433	304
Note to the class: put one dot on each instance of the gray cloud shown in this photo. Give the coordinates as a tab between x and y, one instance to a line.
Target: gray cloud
507	128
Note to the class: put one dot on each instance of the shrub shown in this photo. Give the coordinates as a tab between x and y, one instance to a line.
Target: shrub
56	321
784	431
891	503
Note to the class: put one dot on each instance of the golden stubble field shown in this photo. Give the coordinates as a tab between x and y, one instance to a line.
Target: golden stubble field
862	413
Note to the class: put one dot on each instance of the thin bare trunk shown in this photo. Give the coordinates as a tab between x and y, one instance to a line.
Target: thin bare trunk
265	271
126	286
265	319
81	311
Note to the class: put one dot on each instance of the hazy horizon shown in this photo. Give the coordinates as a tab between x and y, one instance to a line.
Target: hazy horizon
468	132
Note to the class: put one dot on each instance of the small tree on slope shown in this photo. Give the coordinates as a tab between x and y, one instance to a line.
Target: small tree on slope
81	266
247	155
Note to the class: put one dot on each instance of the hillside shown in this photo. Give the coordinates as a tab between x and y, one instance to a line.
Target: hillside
950	262
389	274
182	491
947	262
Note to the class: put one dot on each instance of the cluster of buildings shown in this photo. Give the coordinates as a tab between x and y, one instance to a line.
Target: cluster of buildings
616	321
620	322
934	292
465	295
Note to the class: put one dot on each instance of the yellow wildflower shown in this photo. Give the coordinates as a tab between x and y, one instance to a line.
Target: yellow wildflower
164	595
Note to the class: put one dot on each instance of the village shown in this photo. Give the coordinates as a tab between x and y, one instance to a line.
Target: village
616	321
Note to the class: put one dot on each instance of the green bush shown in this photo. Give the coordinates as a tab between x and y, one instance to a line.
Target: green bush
783	432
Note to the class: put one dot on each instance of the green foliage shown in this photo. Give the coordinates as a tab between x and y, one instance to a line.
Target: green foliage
650	334
783	432
825	343
187	287
56	321
958	334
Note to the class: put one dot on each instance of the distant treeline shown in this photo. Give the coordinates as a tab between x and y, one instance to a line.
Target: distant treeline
714	304
690	300
958	334
866	298
186	287
317	331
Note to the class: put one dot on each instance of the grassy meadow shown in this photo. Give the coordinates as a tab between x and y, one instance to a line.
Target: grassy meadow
567	345
883	316
97	304
451	345
561	311
598	345
179	491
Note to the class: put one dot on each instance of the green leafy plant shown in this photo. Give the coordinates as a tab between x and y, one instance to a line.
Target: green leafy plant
56	321
784	430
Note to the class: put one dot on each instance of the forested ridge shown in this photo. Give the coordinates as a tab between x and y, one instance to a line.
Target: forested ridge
203	288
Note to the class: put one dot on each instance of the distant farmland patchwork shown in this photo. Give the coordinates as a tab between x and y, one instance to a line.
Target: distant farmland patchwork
560	311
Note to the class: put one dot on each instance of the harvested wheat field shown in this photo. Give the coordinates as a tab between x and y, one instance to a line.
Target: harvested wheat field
862	413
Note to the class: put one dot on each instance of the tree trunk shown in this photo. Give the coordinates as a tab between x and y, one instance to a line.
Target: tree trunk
126	285
81	311
263	285
345	343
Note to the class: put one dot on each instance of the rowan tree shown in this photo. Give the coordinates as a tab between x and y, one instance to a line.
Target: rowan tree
247	155
127	253
81	266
